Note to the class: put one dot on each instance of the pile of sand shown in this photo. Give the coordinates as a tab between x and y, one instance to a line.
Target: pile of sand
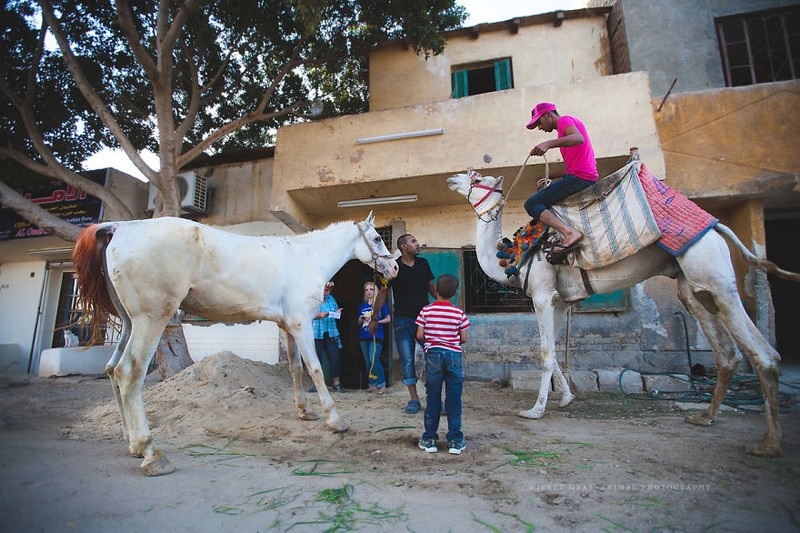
222	396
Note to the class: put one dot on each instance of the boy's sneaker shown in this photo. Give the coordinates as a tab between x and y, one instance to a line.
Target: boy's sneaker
456	446
428	445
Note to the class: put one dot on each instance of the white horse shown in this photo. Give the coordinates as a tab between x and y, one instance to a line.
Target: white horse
706	286
144	270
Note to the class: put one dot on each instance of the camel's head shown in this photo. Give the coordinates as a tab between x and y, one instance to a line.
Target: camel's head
475	187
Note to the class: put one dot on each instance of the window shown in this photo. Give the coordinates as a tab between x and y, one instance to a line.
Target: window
484	295
482	78
760	47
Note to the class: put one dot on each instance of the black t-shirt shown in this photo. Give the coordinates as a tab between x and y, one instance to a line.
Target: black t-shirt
410	288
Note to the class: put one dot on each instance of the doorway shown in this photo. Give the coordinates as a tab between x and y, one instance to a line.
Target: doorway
781	232
349	293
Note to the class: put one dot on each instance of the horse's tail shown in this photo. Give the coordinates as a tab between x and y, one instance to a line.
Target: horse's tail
93	295
765	264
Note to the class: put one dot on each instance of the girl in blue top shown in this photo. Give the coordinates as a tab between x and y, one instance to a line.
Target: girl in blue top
371	347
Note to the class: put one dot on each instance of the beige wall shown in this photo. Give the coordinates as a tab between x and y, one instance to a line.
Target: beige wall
733	142
542	53
319	163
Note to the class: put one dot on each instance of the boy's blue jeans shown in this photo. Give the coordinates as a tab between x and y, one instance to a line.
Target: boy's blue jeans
405	337
443	367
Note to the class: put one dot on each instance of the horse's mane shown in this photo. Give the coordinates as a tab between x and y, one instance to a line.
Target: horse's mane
313	233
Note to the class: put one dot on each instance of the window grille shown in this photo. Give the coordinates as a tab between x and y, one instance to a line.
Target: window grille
760	47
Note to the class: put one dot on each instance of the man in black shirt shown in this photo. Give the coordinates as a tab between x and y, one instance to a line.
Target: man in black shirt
410	288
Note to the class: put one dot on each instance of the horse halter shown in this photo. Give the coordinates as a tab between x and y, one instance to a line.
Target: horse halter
473	178
371	246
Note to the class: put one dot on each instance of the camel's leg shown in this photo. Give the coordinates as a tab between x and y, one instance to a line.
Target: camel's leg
296	370
725	353
304	337
130	374
713	284
548	314
560	383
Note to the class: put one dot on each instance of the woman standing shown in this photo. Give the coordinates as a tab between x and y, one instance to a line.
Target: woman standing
326	335
371	346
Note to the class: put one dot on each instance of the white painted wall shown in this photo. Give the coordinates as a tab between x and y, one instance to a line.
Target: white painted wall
20	288
257	341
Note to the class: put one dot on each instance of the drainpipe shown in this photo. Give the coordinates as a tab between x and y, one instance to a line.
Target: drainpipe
45	279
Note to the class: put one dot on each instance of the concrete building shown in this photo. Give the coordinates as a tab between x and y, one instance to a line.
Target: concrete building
467	108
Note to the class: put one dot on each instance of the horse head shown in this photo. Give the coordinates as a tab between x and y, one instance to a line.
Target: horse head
372	251
483	193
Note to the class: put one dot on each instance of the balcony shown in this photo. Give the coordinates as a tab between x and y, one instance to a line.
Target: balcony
319	164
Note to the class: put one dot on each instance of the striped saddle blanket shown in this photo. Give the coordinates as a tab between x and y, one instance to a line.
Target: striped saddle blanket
627	211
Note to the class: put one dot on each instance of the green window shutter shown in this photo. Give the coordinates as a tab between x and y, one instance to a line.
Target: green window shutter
502	74
460	88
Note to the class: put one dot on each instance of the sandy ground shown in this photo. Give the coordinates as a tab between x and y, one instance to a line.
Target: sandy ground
245	462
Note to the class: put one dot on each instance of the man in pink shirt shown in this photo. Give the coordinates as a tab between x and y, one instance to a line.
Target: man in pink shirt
580	172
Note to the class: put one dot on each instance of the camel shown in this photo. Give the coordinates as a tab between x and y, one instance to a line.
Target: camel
706	287
144	270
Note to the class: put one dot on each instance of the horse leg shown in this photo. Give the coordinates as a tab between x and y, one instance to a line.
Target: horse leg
112	364
296	371
545	306
130	373
725	353
304	338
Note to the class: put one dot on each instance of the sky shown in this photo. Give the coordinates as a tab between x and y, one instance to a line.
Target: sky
480	11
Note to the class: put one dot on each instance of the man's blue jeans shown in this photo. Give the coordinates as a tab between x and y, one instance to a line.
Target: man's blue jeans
443	367
557	191
405	337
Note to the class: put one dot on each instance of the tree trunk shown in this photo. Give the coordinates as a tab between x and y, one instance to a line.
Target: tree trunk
172	353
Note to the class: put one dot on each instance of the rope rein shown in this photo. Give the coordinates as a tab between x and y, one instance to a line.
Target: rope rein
501	202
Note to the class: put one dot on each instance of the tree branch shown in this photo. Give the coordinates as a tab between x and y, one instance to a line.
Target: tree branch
88	92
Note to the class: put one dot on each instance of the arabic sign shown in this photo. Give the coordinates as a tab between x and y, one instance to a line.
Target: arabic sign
64	201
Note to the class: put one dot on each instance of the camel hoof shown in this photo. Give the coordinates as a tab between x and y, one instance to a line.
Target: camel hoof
308	415
700	420
566	400
531	413
762	449
157	465
338	426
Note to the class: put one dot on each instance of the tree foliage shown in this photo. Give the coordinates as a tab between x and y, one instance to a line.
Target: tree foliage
182	78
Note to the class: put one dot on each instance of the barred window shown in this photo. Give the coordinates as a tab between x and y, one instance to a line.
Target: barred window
484	295
760	47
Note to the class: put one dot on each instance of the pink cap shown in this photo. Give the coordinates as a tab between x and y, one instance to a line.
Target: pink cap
538	111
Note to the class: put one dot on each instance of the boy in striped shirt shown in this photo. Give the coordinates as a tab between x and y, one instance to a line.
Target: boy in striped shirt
443	328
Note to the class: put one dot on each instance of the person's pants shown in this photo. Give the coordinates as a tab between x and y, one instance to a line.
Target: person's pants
443	366
405	337
329	348
372	357
557	191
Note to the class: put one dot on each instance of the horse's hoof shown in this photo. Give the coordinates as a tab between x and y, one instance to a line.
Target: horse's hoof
700	420
531	413
762	449
308	415
337	426
157	465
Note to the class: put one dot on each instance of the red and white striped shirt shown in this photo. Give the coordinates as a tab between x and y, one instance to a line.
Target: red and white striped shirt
442	322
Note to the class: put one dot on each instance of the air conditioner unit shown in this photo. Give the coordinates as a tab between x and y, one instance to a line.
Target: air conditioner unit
193	190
